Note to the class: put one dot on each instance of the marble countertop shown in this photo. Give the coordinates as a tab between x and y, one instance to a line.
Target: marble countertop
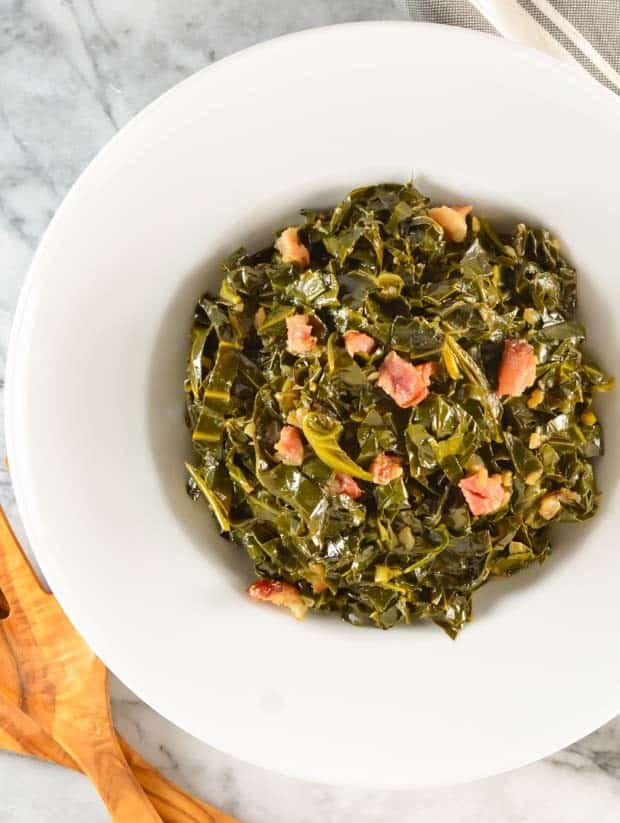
72	72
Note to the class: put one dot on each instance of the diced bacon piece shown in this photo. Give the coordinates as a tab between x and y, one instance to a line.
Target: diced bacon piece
299	338
452	220
344	484
517	370
356	342
406	384
483	492
280	594
291	248
385	468
290	446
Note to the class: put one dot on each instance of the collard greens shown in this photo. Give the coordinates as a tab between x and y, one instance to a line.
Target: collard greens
380	264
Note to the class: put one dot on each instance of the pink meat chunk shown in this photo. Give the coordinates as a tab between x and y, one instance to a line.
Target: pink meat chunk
452	220
483	492
299	338
406	384
344	484
280	594
517	370
356	342
385	468
290	446
291	248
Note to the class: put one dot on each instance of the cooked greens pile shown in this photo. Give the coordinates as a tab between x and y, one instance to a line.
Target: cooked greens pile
411	547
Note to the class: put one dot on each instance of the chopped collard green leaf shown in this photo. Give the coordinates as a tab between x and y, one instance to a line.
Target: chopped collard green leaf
390	405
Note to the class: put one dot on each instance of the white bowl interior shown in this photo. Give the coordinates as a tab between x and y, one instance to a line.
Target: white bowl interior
97	439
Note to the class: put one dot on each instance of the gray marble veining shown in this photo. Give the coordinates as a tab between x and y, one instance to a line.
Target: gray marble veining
71	73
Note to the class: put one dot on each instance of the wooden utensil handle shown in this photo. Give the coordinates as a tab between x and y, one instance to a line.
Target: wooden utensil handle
172	804
65	725
20	734
90	735
17	577
102	760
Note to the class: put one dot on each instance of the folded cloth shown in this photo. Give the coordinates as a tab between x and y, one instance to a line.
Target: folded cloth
582	32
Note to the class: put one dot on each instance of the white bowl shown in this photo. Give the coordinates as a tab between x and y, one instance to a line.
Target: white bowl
95	423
